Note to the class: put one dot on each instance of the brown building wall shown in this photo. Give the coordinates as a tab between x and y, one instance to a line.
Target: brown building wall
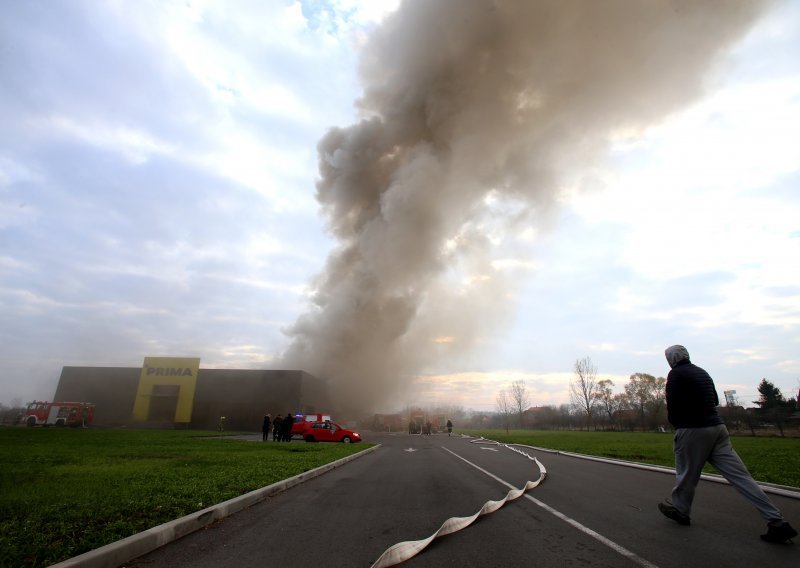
111	389
241	396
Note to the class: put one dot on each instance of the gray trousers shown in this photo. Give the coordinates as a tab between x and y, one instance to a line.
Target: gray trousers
696	446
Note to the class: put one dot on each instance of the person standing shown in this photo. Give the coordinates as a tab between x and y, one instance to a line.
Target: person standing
449	426
265	428
286	426
276	428
700	437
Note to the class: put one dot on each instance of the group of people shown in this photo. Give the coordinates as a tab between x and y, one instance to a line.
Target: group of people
280	426
426	428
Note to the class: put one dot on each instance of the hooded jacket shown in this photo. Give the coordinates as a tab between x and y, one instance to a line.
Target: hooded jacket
691	396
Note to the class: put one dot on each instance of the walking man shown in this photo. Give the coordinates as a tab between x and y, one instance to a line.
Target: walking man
700	437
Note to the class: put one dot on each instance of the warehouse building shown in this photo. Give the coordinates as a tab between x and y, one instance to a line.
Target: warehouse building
175	392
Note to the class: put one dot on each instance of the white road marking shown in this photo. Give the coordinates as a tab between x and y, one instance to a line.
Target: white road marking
490	449
410	450
584	529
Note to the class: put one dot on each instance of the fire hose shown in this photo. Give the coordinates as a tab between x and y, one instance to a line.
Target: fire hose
405	550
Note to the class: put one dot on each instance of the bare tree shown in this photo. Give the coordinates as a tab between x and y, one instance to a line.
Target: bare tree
566	413
606	400
657	405
584	388
504	408
646	395
623	403
519	399
456	412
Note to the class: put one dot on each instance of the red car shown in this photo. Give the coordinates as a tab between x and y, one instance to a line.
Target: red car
303	420
329	432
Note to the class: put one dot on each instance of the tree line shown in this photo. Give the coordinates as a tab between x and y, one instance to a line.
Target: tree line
641	405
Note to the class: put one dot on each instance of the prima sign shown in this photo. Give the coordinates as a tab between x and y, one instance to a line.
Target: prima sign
169	372
160	372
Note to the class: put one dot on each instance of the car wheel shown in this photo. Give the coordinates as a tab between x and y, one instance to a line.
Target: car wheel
346	440
310	438
60	423
31	421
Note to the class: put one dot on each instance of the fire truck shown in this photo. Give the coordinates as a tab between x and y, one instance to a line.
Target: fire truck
59	413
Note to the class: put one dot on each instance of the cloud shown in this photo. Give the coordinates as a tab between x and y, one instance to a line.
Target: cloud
134	145
479	390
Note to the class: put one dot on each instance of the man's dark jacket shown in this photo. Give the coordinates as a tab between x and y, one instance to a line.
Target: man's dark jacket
691	397
286	425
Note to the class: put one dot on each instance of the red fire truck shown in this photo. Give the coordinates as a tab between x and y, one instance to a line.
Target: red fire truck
59	413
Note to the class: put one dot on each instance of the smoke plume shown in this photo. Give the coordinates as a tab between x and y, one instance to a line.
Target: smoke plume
475	115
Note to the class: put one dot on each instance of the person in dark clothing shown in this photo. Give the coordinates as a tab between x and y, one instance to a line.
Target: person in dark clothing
276	428
286	426
449	427
700	437
265	428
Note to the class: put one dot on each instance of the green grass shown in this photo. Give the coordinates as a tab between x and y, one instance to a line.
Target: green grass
64	492
771	460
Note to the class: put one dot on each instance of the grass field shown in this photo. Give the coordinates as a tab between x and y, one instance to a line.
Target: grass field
64	492
770	460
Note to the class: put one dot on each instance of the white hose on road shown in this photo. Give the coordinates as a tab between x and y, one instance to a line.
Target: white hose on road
402	551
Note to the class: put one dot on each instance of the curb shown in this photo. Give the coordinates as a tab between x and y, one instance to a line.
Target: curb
122	551
774	488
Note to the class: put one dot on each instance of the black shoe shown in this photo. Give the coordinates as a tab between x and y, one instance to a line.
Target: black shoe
671	512
779	534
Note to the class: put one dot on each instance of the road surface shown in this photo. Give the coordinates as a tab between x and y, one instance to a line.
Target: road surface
585	514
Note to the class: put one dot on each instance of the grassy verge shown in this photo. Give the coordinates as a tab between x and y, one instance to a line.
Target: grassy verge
64	492
771	460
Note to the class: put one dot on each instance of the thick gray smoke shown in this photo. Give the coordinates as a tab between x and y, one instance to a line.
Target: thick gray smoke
475	112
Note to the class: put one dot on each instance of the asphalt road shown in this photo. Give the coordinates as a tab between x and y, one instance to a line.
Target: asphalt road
586	514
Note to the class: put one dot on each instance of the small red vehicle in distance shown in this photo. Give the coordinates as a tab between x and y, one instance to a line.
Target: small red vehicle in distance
302	420
329	432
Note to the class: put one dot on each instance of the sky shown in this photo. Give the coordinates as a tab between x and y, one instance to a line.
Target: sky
171	184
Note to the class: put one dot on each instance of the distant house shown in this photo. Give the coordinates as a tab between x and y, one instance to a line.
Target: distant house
535	415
